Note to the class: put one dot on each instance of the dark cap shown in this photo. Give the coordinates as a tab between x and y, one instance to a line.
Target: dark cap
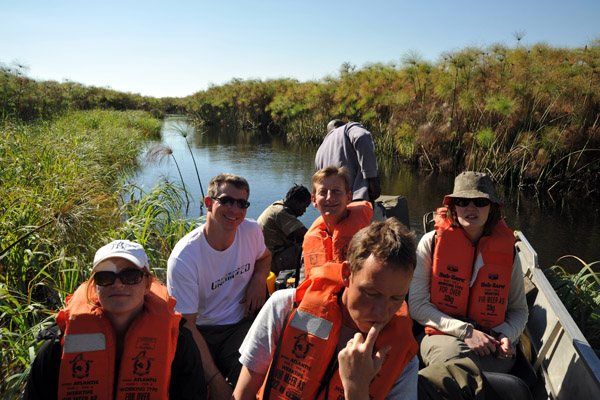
334	123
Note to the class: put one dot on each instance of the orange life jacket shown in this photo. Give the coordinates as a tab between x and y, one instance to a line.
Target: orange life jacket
87	367
301	363
319	247
454	257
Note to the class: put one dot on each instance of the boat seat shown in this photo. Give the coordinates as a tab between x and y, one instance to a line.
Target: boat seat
505	386
428	221
523	368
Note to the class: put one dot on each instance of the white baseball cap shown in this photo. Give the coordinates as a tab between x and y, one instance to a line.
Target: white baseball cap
126	249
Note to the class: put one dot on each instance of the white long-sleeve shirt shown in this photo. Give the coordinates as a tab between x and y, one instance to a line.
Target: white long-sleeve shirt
426	313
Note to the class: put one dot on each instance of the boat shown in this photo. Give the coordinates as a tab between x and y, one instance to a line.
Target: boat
560	363
565	365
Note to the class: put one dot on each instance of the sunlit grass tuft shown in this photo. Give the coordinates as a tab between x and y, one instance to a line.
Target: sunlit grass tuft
580	293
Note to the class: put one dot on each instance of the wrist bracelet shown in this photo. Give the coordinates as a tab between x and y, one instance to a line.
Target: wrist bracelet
211	378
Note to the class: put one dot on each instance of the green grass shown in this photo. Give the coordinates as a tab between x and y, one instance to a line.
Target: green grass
62	197
580	293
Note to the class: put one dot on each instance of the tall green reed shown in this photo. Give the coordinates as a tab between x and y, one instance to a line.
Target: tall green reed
580	293
59	202
156	154
155	219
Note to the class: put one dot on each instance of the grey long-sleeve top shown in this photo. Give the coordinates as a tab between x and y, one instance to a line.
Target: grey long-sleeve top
426	313
350	145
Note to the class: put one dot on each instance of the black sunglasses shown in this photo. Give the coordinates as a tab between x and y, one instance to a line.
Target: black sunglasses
479	202
228	200
127	277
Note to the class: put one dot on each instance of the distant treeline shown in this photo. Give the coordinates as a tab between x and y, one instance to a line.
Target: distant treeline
527	115
25	99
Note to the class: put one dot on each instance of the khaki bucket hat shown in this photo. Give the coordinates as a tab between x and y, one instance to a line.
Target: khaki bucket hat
473	185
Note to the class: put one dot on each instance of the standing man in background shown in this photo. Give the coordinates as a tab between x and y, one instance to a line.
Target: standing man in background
218	275
351	145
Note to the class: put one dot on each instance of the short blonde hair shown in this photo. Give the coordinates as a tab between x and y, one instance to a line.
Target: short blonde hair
326	172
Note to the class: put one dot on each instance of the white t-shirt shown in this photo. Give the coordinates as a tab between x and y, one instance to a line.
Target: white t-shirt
260	342
212	283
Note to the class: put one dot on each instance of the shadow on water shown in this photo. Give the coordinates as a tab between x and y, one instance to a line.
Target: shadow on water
554	226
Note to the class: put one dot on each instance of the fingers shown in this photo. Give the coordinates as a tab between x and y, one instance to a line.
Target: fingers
380	356
506	349
250	305
247	306
489	348
367	342
356	341
358	364
253	305
372	335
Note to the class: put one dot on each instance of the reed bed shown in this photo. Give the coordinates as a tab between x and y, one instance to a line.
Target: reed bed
25	99
62	197
529	115
580	293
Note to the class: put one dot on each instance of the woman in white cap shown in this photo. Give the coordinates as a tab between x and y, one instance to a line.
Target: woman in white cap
466	291
118	338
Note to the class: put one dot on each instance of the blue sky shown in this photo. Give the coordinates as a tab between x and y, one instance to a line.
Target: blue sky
176	48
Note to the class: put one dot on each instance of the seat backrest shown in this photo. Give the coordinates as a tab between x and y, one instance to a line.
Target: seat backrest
429	221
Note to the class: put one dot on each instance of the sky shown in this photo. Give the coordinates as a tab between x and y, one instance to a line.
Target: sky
176	48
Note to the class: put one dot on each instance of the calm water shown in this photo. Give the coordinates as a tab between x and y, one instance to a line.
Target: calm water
554	226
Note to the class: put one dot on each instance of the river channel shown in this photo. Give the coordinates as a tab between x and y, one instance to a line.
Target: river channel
553	225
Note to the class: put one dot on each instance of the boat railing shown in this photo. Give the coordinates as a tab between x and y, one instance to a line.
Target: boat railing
569	366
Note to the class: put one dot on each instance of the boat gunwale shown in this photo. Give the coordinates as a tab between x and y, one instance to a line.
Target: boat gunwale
549	341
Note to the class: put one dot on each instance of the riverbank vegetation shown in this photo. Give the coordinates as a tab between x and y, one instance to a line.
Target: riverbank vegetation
580	294
25	99
529	116
63	196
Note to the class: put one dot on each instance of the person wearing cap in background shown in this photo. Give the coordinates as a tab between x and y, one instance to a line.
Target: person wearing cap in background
218	274
351	145
466	290
118	336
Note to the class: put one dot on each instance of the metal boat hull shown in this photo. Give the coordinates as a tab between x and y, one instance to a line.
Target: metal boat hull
567	366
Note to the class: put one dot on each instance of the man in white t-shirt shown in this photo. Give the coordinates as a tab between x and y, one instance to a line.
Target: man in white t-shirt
218	275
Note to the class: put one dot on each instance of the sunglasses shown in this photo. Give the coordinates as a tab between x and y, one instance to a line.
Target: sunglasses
127	277
228	200
480	202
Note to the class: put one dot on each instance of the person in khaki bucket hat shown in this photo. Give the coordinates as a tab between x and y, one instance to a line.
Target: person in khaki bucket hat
466	290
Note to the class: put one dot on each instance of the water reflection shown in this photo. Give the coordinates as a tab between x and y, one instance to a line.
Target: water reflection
554	226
